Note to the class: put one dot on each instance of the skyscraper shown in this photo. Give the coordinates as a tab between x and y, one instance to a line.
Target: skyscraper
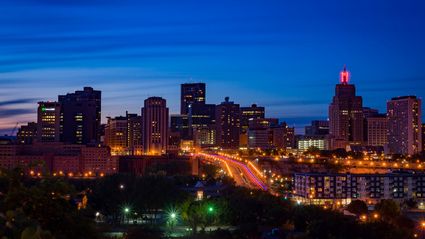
345	114
228	124
134	134
404	125
191	94
247	113
80	116
155	125
48	121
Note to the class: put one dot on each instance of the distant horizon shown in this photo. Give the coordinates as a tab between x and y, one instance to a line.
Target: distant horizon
293	121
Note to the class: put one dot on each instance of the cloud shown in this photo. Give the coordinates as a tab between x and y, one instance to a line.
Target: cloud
7	113
17	101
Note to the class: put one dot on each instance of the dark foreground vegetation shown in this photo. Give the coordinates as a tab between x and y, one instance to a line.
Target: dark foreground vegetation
157	206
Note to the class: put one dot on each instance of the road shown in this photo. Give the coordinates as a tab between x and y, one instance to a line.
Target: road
238	170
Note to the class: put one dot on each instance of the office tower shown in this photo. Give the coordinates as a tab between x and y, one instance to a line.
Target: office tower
376	130
180	127
27	134
48	121
317	127
191	94
134	134
345	115
259	133
228	124
404	125
252	112
200	116
247	113
116	135
81	113
155	125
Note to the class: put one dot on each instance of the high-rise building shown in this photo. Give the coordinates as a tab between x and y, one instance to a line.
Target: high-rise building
27	134
80	116
259	133
116	135
155	125
228	124
200	116
180	127
48	121
317	127
345	115
134	134
404	125
251	112
376	130
247	113
191	94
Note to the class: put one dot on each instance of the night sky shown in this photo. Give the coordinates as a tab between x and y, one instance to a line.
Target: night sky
285	55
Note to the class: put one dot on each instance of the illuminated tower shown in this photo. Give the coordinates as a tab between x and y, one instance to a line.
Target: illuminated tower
404	125
155	125
345	114
48	121
228	124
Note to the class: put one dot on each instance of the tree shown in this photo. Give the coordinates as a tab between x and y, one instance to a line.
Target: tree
388	209
357	207
41	208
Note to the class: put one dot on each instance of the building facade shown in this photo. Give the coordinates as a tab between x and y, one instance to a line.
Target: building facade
48	121
81	116
404	125
345	115
116	135
377	130
228	124
155	126
191	94
27	134
322	188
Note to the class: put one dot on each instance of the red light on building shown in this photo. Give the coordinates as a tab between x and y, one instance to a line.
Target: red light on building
344	76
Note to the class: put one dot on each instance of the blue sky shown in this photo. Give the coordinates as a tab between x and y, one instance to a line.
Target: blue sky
285	55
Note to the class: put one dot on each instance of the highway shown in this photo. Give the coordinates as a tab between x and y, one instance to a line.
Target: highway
238	170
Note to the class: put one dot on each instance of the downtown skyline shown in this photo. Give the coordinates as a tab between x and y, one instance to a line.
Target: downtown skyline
275	55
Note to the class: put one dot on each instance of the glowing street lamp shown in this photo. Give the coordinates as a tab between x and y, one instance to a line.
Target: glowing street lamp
210	209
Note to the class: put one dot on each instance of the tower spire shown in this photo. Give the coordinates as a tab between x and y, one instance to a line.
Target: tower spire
344	76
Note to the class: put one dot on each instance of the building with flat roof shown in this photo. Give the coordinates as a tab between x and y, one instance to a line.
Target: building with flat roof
48	121
331	188
404	125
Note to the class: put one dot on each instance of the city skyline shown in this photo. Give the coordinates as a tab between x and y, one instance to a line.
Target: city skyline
129	57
